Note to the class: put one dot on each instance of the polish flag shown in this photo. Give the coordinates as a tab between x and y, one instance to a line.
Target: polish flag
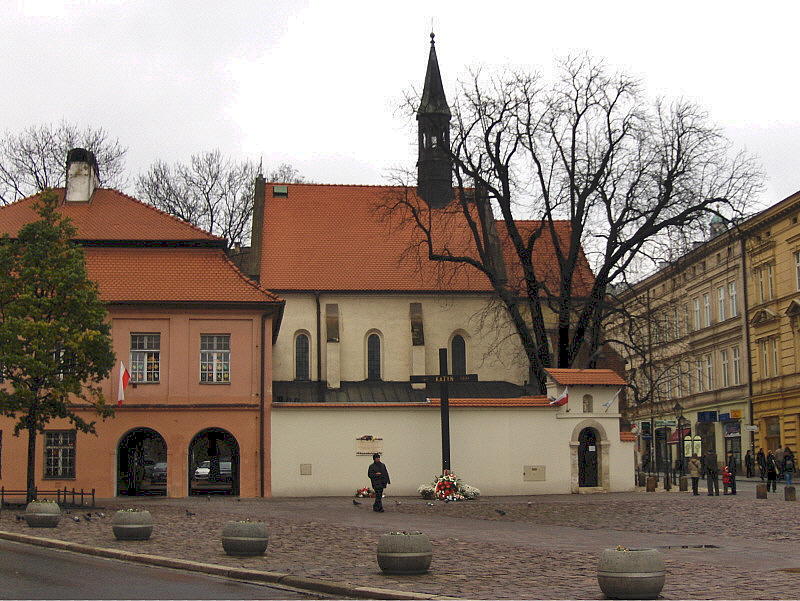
562	398
124	378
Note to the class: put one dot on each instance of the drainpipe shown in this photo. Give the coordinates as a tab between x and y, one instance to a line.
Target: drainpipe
745	312
261	409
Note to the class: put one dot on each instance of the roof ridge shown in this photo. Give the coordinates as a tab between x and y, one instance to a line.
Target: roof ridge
250	281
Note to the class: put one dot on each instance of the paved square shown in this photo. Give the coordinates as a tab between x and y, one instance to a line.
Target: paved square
543	547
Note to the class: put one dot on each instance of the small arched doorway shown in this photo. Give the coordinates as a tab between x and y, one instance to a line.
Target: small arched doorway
142	463
214	463
588	458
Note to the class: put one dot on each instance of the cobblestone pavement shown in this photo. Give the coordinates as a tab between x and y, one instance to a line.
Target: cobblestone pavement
542	547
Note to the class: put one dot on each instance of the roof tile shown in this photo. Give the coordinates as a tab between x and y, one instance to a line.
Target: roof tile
329	237
586	377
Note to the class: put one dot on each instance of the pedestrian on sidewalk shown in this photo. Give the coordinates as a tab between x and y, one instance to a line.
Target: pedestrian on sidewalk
772	472
748	463
761	461
788	465
726	480
732	466
694	472
779	461
379	476
711	469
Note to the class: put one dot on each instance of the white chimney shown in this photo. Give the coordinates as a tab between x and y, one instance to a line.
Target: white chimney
82	175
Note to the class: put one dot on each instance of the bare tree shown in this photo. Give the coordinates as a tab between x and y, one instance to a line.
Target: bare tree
211	191
587	165
35	158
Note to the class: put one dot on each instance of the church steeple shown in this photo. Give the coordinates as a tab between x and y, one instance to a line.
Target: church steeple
434	170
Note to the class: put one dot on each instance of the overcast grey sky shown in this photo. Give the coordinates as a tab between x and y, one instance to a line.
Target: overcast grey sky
316	84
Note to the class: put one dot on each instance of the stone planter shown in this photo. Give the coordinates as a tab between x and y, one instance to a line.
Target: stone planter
244	538
404	553
42	514
631	574
132	525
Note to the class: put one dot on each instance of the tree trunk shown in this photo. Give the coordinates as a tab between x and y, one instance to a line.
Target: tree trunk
31	480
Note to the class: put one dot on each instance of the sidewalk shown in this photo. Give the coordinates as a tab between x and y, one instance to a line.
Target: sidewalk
547	549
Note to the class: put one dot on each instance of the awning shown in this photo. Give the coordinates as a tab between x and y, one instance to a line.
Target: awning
678	434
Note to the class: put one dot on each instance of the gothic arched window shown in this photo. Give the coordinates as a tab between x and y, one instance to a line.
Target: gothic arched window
302	357
458	350
373	357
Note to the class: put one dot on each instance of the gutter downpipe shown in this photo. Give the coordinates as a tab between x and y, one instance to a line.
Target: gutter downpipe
261	410
745	313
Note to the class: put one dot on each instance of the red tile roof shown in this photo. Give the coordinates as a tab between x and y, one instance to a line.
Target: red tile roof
586	377
326	237
170	275
110	215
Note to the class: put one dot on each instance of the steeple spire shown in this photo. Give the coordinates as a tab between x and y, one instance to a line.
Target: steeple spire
433	98
434	169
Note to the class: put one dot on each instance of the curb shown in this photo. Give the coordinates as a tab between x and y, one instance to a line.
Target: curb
310	584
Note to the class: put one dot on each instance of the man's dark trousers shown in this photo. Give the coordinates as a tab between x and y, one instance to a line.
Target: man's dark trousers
378	504
713	482
733	484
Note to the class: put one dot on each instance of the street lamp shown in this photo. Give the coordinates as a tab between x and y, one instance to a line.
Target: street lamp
679	412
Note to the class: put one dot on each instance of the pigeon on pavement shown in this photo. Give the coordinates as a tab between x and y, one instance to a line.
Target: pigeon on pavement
190	513
500	511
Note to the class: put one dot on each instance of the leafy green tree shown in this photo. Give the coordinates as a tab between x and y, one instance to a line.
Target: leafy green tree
55	345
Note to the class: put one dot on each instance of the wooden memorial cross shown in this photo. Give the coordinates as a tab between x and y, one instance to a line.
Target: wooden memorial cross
443	378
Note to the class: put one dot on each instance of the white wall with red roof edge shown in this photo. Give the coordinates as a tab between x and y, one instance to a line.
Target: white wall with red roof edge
494	448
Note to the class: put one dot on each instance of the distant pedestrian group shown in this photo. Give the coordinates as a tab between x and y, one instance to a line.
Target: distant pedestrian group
772	465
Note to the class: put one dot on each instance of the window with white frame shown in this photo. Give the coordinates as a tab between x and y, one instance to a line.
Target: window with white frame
689	385
59	454
723	359
721	303
737	376
709	372
707	309
686	319
764	353
773	347
676	323
699	372
797	270
762	286
732	297
215	358
145	358
696	302
770	281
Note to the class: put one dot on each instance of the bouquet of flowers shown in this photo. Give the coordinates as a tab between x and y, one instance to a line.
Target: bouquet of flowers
448	487
362	493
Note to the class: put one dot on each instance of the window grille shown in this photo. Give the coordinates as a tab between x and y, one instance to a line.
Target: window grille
59	454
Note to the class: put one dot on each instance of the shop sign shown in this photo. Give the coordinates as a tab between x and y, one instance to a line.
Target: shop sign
706	416
736	414
731	429
724	417
661	423
751	428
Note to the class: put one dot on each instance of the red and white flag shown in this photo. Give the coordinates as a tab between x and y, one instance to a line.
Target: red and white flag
562	399
124	378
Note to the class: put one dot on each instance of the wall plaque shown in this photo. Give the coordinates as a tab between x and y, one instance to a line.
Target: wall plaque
369	445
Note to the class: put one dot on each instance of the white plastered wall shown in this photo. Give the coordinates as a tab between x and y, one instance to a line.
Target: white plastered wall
493	350
489	449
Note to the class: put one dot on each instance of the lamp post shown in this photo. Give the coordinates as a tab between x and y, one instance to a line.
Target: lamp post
679	412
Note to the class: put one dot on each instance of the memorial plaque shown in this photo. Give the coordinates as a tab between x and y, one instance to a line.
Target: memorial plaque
369	445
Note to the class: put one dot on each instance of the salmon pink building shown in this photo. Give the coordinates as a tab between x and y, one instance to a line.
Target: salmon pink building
196	337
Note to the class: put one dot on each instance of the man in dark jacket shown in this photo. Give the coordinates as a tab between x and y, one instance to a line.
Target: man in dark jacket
379	476
711	468
732	465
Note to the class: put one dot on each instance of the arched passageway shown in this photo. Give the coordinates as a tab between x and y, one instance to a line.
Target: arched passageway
214	463
142	463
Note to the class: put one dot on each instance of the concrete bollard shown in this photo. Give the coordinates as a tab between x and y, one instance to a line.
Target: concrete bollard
789	493
683	484
641	479
651	484
761	491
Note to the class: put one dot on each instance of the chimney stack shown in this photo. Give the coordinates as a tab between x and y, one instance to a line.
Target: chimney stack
82	175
